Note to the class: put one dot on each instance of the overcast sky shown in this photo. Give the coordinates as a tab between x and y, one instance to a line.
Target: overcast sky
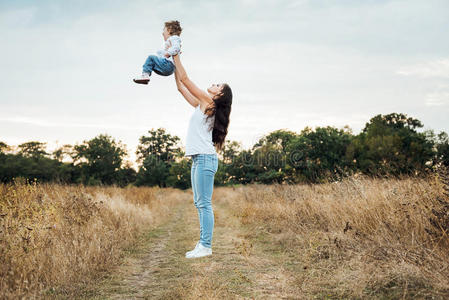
66	67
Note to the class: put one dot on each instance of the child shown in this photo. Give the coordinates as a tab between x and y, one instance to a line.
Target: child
162	63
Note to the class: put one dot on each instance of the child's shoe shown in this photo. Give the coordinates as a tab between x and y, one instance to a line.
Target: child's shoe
200	252
143	79
190	252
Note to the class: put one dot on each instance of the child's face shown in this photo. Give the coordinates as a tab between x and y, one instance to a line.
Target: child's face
165	33
215	89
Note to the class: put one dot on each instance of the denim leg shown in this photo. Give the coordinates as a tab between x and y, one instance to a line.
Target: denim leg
205	173
195	190
149	64
159	65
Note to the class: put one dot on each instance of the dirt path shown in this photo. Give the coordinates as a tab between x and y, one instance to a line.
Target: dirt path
157	268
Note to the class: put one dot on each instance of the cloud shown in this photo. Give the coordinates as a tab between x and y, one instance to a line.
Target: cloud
431	73
438	97
435	68
62	124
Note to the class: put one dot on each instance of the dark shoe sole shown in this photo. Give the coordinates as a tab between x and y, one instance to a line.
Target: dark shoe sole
142	81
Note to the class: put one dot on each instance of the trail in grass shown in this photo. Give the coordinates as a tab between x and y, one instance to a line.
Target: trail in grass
239	268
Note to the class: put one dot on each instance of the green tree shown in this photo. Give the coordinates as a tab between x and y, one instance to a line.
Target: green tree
156	154
33	149
179	174
270	156
443	148
390	144
100	159
41	168
230	151
320	154
227	159
65	151
278	139
242	170
159	143
3	147
153	171
126	175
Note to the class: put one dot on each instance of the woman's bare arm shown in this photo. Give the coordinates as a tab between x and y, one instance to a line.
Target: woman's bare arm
185	92
198	93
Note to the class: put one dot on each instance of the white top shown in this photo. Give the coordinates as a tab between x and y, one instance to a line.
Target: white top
199	138
171	46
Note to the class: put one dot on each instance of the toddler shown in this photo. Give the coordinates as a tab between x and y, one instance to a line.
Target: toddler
162	63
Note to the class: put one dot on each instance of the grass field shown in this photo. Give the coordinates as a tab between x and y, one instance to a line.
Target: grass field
361	238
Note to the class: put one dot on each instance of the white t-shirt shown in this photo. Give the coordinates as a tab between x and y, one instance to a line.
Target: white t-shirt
171	46
199	138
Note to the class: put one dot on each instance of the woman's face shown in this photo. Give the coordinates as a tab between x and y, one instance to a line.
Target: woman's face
215	89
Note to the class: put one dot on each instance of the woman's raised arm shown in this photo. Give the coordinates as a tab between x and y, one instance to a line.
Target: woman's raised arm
185	93
181	74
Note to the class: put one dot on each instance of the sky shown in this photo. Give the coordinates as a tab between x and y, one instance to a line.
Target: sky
66	67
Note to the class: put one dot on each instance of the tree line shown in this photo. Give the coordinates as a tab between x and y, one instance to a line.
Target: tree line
388	145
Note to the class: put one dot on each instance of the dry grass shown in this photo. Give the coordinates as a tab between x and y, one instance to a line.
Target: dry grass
52	236
356	238
361	238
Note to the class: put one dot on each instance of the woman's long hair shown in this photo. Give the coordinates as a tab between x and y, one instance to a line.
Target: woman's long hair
221	110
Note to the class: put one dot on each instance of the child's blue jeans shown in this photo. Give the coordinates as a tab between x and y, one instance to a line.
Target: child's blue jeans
204	167
159	65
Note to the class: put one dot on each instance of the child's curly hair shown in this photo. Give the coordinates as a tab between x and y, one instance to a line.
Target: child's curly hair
173	27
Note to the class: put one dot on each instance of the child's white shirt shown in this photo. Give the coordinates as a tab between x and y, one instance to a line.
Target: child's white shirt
171	46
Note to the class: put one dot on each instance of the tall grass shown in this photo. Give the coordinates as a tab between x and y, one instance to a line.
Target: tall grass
357	237
54	235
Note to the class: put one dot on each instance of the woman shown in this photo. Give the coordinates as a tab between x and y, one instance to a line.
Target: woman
206	134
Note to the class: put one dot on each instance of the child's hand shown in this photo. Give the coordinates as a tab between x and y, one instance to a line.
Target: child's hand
166	48
168	45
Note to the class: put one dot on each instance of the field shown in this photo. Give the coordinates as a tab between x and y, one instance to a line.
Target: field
360	238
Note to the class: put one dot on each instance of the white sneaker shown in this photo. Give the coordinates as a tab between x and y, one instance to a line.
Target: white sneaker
200	252
191	251
144	78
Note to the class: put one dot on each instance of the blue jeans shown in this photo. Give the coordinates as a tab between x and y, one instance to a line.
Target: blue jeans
159	65
204	167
